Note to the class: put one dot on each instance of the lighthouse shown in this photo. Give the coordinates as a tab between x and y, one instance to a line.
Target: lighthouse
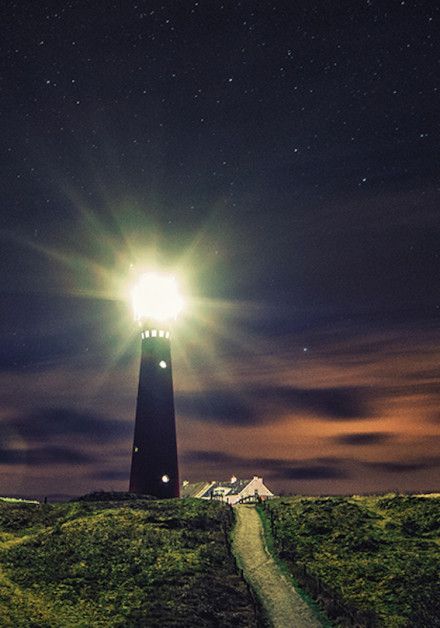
154	465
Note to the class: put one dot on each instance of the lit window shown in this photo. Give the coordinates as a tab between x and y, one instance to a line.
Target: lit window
167	334
154	333
163	364
161	333
147	334
165	479
136	449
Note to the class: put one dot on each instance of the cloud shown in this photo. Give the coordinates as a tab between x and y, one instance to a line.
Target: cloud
310	469
363	438
403	467
330	403
109	475
381	381
319	468
49	329
311	472
212	457
44	456
261	404
45	423
219	406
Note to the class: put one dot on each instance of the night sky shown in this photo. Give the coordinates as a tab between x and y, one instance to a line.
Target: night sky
282	159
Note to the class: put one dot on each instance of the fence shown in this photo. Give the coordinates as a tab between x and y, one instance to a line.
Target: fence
257	607
324	595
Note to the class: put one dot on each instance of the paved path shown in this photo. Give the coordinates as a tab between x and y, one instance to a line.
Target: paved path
285	608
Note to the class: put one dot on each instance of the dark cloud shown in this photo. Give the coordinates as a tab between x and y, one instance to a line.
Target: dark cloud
310	469
45	423
335	460
54	328
412	387
218	406
221	458
310	472
265	403
435	417
44	456
110	475
403	467
212	457
330	403
363	438
319	468
230	462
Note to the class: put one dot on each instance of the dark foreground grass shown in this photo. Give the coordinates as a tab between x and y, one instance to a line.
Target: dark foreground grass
374	561
142	563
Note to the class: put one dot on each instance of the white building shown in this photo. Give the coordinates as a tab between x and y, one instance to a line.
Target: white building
229	492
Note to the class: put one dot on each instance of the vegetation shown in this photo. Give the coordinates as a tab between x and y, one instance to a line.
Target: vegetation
18	500
374	561
136	563
113	496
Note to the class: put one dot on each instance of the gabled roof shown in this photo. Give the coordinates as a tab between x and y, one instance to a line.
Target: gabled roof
206	490
194	489
233	488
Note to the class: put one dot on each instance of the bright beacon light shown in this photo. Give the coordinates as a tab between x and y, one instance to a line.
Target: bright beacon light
156	297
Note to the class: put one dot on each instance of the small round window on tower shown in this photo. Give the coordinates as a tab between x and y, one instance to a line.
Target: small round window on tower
163	364
165	479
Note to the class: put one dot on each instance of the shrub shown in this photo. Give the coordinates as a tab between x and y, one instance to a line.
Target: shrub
374	558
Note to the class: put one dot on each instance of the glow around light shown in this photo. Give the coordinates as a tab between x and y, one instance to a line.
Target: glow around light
156	297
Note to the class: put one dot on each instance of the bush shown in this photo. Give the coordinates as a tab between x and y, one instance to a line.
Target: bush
373	560
121	563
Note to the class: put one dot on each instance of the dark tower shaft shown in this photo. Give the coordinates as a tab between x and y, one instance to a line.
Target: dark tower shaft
154	468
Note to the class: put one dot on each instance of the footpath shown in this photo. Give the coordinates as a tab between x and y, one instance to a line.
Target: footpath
284	606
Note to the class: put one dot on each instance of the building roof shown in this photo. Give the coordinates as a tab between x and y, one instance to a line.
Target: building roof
233	488
207	489
204	489
192	489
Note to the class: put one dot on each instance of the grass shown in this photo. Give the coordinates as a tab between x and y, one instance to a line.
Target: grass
374	560
18	500
287	573
137	563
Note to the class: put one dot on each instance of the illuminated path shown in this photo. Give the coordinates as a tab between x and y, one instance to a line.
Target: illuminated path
284	606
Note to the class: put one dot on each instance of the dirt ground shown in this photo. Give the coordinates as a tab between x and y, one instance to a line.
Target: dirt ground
285	608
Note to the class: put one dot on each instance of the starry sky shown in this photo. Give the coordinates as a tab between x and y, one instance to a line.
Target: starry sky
281	158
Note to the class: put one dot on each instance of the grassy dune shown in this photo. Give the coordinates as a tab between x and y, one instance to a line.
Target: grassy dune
371	560
143	563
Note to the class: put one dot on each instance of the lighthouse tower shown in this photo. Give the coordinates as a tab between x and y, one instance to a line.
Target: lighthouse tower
154	466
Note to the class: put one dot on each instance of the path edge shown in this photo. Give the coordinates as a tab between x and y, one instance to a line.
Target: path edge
261	614
285	573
